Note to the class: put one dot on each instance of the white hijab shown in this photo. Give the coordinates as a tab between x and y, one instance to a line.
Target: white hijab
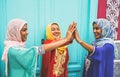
13	37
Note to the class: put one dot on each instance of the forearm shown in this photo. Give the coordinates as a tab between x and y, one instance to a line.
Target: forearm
86	46
54	45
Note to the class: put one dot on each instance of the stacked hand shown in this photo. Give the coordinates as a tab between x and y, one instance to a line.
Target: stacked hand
71	31
77	37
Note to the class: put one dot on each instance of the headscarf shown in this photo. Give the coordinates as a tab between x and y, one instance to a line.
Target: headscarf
107	35
50	36
13	36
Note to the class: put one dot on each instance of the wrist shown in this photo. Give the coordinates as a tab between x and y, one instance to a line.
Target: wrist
80	41
66	39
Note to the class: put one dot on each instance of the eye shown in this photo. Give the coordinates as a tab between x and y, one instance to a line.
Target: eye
97	28
24	30
52	29
58	29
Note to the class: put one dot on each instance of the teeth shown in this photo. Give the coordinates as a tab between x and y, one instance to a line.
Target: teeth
56	34
96	34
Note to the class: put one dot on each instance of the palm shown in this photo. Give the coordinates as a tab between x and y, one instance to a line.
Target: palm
70	31
77	36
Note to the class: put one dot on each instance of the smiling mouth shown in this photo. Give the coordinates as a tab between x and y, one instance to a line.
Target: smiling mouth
56	34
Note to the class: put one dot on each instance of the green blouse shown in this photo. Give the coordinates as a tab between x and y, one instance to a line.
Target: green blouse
22	61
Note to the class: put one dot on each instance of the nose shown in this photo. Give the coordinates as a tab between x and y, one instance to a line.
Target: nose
26	32
94	30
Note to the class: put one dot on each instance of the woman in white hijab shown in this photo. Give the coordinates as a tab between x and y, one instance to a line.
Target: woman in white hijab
21	61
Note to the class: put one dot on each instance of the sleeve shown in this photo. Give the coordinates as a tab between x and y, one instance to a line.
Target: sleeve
41	50
100	52
45	62
22	57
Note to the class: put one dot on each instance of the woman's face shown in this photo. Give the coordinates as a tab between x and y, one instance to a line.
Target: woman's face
55	31
97	31
24	33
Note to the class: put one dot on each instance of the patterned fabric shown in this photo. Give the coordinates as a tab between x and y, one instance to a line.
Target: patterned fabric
110	9
112	13
54	63
118	30
107	32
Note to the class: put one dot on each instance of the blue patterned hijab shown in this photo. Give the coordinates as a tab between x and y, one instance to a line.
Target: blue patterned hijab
107	35
107	32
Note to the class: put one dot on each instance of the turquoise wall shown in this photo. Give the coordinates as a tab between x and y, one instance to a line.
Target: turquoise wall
39	13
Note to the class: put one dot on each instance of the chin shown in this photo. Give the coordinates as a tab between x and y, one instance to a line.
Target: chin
57	38
97	37
24	40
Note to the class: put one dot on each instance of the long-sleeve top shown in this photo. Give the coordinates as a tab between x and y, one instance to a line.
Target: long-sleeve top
100	62
22	61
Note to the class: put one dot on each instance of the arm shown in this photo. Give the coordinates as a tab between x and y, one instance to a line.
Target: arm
84	44
53	45
68	38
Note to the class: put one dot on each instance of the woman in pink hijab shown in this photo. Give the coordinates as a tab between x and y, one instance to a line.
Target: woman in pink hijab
21	61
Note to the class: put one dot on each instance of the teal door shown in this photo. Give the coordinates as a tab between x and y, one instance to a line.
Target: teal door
39	13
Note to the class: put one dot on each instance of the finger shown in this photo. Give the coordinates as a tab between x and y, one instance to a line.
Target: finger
76	34
73	27
76	31
74	23
69	28
73	30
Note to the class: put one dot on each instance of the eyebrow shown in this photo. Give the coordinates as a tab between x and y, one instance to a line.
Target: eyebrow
24	28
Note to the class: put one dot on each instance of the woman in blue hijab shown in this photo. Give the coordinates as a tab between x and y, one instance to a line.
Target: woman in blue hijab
100	58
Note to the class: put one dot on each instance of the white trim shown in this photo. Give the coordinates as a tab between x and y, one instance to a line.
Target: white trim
116	60
93	51
117	41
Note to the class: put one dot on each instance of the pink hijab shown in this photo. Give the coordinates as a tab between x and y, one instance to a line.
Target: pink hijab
13	37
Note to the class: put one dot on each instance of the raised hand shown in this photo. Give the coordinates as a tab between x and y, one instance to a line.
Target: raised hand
77	37
69	37
84	44
70	32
